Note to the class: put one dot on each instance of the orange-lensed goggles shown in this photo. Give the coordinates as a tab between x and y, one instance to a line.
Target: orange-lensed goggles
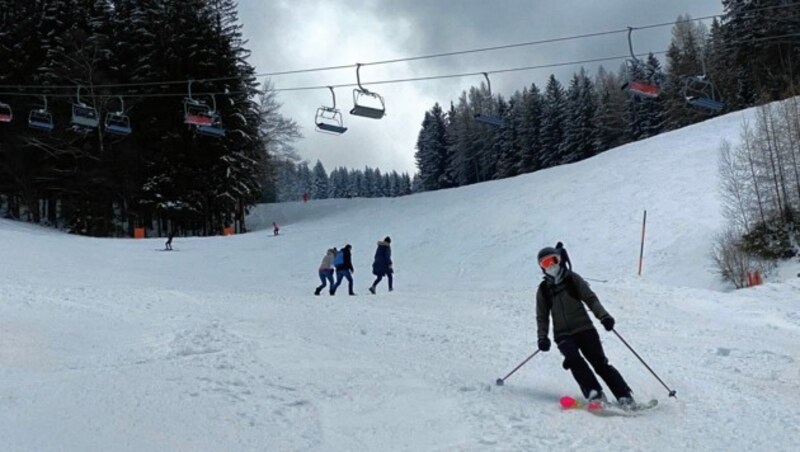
548	261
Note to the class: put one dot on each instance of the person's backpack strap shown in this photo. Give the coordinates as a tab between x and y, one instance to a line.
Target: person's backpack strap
570	287
544	288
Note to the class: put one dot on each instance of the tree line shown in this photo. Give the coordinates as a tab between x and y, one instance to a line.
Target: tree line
107	54
746	57
296	179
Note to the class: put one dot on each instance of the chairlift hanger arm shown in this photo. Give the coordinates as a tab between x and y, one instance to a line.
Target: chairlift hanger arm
630	45
333	95
358	78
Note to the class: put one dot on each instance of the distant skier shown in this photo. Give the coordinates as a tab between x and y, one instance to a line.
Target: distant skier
168	244
344	269
275	228
382	265
326	270
562	295
564	255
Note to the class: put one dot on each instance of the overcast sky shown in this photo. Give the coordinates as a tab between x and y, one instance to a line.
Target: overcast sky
301	34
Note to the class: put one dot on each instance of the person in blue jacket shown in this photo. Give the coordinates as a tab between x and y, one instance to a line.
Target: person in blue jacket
382	266
344	269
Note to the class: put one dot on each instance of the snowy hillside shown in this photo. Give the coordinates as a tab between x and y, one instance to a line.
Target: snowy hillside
109	344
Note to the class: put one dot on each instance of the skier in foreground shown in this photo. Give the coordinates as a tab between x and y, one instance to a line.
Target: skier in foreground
561	296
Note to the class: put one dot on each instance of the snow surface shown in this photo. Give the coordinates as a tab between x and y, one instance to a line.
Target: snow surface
111	345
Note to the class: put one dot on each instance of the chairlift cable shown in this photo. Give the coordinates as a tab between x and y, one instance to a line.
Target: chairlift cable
397	60
353	85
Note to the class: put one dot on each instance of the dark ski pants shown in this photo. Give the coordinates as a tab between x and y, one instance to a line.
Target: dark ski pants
380	277
326	276
587	343
340	275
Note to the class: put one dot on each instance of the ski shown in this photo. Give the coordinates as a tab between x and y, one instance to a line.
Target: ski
571	403
606	408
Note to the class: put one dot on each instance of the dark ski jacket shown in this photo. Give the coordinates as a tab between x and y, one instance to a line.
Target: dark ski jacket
383	259
348	261
564	302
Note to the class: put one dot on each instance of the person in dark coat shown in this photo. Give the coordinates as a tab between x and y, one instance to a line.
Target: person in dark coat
382	265
564	296
168	245
344	270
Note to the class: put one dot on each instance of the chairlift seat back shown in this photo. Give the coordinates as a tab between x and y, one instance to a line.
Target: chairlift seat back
644	89
198	114
496	121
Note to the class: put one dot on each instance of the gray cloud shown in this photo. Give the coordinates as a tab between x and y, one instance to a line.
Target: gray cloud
299	34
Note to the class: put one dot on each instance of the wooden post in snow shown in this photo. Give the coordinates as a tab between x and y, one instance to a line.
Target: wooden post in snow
641	248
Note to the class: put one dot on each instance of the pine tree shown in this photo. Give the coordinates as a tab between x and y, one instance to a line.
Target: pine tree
610	113
530	130
761	43
580	132
320	185
553	123
645	115
508	159
431	151
686	58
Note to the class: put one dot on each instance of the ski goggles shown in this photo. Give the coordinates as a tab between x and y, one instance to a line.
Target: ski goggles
548	261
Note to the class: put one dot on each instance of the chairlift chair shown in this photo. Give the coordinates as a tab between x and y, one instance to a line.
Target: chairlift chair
196	112
41	118
492	120
360	95
700	91
84	117
638	87
214	128
329	119
6	114
118	123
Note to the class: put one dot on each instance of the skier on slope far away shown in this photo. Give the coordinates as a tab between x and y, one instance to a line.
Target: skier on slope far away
562	295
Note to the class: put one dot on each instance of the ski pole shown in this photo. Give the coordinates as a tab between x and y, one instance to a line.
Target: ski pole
671	392
500	381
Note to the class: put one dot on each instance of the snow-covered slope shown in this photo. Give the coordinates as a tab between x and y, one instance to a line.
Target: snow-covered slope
111	345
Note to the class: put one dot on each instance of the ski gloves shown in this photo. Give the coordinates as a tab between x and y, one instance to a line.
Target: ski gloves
608	322
544	344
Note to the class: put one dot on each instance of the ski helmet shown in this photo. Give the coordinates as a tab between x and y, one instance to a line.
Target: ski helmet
547	251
